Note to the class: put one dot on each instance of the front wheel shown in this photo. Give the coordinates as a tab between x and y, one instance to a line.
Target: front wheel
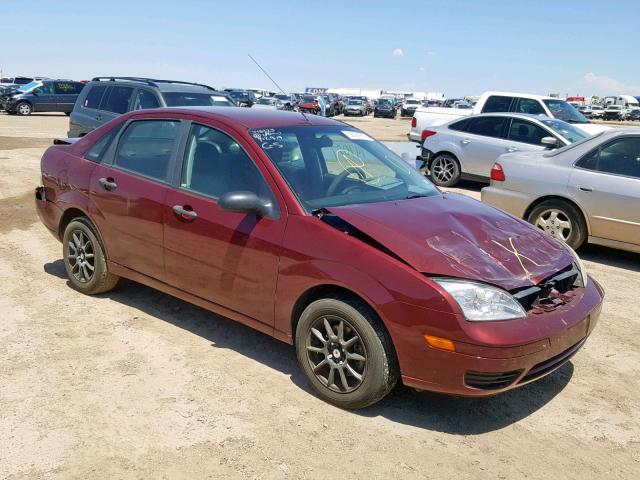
561	220
84	259
444	170
345	353
23	108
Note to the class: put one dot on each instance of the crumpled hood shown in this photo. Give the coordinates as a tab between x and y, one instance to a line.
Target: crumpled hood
454	235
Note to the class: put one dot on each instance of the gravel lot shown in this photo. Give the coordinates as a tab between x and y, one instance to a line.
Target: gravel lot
137	384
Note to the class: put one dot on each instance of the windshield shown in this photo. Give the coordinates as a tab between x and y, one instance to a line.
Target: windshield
266	101
565	129
563	111
282	96
29	86
333	166
413	102
180	99
354	102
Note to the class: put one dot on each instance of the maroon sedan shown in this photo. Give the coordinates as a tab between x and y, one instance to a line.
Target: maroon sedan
310	231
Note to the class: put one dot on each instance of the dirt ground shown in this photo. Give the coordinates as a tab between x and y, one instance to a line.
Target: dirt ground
137	384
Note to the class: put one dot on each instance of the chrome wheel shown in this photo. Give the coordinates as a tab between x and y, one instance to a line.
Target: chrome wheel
81	256
443	169
556	223
336	354
24	109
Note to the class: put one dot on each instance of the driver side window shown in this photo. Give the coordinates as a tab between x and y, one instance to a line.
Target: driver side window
215	164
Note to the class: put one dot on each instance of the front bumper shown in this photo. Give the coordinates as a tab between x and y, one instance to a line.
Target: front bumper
479	370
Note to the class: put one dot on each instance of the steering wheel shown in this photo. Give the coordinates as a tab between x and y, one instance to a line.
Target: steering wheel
340	178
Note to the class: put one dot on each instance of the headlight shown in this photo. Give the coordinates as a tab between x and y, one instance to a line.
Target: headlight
482	303
582	280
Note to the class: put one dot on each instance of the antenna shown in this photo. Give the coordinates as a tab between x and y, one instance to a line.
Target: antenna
265	72
274	82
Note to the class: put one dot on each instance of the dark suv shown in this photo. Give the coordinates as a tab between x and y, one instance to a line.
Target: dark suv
42	96
105	98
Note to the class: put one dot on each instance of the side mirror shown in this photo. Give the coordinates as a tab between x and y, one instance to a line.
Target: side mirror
245	202
550	142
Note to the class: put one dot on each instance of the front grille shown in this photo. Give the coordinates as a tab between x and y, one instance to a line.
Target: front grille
552	291
490	380
552	363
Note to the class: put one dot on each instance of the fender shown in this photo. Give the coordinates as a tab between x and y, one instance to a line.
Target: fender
297	279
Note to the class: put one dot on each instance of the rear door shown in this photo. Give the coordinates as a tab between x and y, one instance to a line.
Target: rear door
482	142
128	191
606	183
66	95
117	100
228	258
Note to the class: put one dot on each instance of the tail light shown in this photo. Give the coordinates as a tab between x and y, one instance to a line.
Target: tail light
414	122
427	133
497	173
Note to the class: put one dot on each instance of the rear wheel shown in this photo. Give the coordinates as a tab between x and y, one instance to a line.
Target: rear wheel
444	170
345	353
560	219
23	108
84	259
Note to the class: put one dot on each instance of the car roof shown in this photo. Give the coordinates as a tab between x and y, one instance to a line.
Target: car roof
252	118
161	85
528	116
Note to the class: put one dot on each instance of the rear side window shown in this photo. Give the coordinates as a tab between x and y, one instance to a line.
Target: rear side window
145	99
67	88
117	99
619	157
527	132
96	152
94	96
45	89
497	103
146	147
529	105
488	126
460	126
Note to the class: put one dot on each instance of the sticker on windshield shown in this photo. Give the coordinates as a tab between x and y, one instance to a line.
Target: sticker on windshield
268	138
353	135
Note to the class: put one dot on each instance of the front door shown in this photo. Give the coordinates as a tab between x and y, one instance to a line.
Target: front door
228	258
45	99
606	183
128	191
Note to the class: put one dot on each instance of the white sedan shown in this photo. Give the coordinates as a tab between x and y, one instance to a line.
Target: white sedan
467	148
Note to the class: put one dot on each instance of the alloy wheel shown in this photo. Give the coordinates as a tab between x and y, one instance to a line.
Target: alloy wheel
24	109
556	223
81	256
336	354
443	169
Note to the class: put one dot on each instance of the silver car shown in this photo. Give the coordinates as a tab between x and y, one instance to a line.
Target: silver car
466	148
587	191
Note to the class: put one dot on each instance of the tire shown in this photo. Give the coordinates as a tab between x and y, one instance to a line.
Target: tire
79	239
68	114
24	108
444	170
367	380
551	216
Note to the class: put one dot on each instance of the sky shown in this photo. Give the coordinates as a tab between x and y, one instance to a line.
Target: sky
463	47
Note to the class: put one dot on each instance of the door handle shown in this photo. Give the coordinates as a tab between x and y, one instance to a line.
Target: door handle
585	189
511	149
108	183
185	212
465	141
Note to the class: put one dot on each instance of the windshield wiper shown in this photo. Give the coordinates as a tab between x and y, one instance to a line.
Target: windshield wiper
416	195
